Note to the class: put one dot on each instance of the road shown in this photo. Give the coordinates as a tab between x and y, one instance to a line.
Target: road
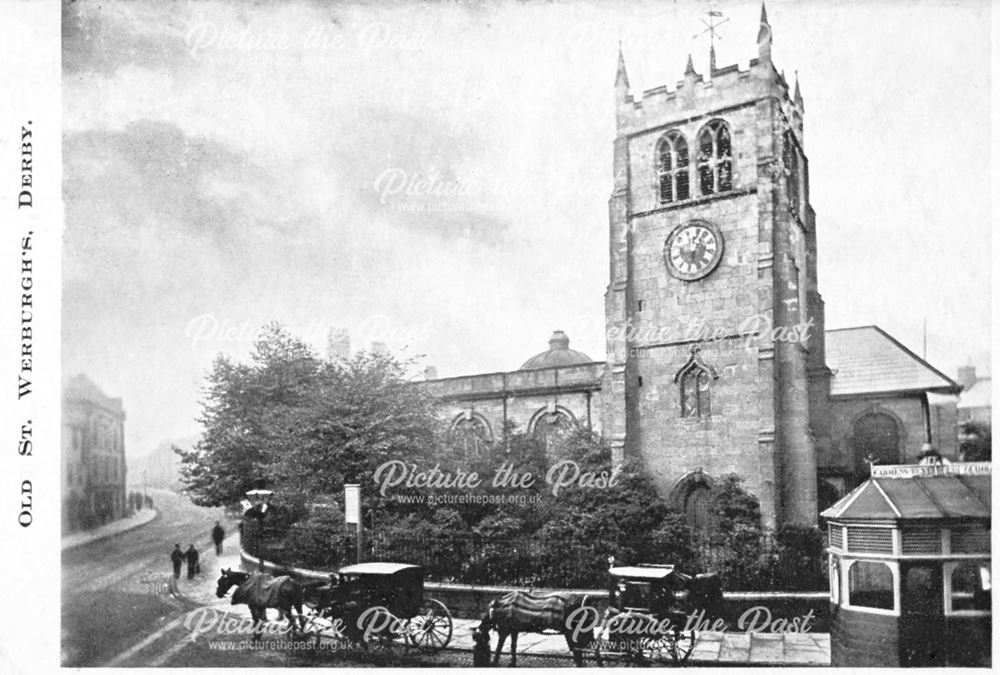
116	590
119	607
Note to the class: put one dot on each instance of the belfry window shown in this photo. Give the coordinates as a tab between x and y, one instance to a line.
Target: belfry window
715	158
672	167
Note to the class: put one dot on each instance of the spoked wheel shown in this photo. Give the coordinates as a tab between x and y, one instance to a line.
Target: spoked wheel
318	626
382	641
430	629
676	647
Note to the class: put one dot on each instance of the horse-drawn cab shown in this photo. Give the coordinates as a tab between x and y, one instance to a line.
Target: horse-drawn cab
650	607
650	588
378	602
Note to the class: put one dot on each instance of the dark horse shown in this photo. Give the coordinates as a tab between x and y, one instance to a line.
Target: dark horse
259	591
523	612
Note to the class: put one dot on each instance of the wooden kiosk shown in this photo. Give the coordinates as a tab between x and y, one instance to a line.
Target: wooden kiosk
910	578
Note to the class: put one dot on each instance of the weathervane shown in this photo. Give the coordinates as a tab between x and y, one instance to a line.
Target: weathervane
715	19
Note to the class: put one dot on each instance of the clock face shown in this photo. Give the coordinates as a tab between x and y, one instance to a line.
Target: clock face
693	250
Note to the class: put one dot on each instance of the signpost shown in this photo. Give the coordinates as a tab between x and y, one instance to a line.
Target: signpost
352	510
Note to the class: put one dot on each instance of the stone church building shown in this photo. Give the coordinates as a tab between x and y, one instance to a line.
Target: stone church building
717	356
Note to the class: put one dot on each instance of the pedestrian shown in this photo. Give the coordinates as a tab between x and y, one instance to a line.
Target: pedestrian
218	534
192	560
177	557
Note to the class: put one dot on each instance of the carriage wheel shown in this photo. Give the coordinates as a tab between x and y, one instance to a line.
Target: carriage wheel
677	646
383	641
430	629
318	626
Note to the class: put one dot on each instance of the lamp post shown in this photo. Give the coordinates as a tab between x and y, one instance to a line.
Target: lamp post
259	499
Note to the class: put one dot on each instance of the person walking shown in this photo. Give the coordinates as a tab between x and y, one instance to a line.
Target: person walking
192	560
177	557
218	534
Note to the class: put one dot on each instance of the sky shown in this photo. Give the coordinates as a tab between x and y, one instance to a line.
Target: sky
436	176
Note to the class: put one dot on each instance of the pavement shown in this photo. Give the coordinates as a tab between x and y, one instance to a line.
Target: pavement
108	530
710	649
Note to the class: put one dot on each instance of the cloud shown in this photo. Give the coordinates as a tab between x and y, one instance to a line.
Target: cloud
101	38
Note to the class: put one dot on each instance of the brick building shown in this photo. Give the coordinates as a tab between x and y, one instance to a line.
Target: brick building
716	354
93	456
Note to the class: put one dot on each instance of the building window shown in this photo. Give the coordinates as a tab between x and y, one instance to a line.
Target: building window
694	379
715	158
870	584
549	427
793	178
876	440
696	394
672	167
971	587
471	434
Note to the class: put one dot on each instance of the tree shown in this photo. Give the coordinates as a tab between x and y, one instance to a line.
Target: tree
302	424
975	442
247	413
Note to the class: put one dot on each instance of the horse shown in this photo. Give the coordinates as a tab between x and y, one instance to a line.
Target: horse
259	591
523	612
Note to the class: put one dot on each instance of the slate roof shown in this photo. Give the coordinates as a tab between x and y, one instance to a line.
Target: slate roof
867	360
918	497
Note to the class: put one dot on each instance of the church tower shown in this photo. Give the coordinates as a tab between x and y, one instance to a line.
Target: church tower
715	346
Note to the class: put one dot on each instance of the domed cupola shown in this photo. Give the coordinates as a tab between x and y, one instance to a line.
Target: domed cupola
558	355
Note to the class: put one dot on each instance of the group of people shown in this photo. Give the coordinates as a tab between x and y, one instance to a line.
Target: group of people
178	557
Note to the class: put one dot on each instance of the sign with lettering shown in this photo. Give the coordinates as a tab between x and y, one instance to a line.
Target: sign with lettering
926	470
352	503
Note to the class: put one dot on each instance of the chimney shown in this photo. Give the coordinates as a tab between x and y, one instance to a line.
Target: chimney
966	376
430	373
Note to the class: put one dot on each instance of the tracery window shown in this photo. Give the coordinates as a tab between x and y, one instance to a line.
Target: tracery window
715	158
696	393
695	381
548	427
672	167
471	435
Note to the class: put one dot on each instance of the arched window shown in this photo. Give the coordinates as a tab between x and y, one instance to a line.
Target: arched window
875	439
470	434
696	394
715	158
548	426
672	167
870	584
695	380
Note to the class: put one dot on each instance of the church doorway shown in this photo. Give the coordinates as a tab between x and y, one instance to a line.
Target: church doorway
698	509
876	439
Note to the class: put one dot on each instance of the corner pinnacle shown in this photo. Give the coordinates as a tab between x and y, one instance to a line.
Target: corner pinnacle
621	77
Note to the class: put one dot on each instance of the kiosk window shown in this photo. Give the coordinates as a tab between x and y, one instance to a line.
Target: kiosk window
971	586
869	584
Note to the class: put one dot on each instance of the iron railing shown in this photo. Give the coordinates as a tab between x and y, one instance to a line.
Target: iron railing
751	562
